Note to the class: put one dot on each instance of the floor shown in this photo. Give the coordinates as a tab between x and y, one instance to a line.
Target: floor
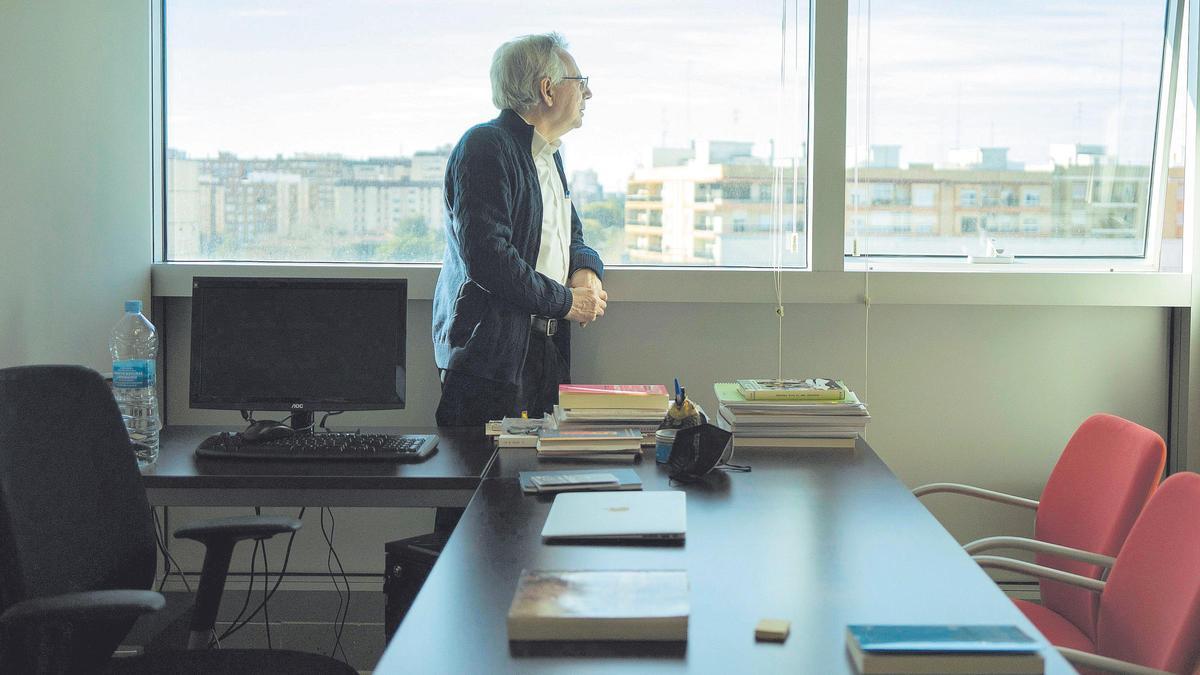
300	620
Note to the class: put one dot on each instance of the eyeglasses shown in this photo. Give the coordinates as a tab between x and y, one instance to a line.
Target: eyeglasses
583	79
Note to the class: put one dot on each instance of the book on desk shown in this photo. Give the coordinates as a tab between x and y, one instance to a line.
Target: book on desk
624	396
627	479
942	649
588	605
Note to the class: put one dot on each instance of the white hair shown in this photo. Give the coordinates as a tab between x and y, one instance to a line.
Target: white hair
519	65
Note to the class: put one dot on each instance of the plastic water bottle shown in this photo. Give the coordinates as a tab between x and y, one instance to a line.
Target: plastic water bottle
134	346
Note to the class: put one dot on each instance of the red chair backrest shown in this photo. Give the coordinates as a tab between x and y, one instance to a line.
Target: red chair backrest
1150	609
1104	477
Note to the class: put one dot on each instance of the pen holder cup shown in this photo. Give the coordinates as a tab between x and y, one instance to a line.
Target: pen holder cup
663	440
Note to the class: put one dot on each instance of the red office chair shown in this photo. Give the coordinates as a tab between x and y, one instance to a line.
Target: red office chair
1102	480
1149	618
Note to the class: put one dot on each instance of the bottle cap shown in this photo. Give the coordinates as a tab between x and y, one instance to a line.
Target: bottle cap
133	306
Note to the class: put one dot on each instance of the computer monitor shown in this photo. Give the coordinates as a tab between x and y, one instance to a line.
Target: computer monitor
299	345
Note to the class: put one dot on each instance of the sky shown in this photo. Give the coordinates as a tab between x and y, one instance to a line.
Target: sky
388	77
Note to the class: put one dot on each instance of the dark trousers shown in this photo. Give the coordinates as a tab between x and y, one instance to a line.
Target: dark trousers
468	400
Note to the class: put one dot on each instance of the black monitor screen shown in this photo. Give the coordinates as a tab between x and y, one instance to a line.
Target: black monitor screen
298	344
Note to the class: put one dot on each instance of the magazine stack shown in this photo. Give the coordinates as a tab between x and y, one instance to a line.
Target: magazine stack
809	413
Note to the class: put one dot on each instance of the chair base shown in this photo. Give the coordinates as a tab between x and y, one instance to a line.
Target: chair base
229	662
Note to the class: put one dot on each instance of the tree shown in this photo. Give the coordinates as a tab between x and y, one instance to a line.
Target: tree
604	226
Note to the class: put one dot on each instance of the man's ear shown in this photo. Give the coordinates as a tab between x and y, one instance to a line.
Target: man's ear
547	91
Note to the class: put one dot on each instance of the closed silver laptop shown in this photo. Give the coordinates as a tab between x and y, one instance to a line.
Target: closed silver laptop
660	516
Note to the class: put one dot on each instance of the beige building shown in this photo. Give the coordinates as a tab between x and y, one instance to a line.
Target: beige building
703	214
377	207
721	213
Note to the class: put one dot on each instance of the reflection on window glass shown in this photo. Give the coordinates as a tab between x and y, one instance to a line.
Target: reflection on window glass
1032	121
319	130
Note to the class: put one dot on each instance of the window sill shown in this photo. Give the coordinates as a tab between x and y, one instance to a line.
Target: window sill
936	286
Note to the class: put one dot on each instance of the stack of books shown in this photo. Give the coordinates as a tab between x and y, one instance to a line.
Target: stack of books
814	413
601	407
514	432
609	445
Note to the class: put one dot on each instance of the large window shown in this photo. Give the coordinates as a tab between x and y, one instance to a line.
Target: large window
1031	122
319	130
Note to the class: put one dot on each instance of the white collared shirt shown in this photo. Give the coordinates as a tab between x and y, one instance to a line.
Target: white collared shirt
554	253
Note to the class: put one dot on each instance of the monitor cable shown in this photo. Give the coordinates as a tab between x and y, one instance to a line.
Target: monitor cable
327	416
233	625
238	622
250	585
266	595
248	416
339	617
168	559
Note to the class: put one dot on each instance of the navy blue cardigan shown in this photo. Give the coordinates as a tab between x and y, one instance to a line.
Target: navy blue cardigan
488	287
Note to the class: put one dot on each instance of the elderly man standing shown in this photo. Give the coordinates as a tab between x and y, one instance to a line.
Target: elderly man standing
516	271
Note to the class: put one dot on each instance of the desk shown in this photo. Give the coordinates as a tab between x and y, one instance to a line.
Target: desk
448	478
822	538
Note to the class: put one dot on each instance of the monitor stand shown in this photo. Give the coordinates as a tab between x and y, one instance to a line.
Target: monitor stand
302	421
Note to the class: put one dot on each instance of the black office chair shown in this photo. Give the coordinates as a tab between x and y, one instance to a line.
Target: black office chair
77	541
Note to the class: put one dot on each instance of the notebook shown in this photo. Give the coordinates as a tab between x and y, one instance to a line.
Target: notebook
620	516
628	478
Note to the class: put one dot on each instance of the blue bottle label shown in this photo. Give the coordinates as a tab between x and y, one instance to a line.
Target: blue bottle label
133	374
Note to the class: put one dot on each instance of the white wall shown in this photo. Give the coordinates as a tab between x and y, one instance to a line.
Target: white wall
75	214
986	395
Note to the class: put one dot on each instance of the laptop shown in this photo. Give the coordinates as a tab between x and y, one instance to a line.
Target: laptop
617	516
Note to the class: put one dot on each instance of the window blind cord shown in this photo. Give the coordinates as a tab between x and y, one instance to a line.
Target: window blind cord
777	190
862	126
867	247
800	100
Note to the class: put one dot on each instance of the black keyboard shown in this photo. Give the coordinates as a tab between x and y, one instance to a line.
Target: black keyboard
322	446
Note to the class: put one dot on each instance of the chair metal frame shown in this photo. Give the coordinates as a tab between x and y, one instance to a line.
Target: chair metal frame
1082	658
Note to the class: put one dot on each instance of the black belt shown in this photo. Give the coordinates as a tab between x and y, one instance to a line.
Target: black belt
543	325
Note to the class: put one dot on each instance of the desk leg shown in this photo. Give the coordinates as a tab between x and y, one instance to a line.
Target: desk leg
446	518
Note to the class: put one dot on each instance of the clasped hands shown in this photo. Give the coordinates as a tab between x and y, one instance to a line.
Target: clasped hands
588	297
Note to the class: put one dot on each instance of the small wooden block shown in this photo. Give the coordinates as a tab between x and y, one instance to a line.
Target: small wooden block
772	630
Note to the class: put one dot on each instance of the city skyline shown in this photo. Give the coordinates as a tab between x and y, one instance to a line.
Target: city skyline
314	78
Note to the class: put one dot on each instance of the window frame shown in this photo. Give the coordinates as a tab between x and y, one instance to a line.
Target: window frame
831	274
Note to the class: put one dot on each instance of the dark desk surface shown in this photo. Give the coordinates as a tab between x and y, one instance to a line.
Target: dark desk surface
447	478
822	539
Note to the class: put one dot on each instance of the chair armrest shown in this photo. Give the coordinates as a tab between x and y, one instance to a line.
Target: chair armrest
1022	567
84	606
1027	544
219	536
972	491
1106	663
237	528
